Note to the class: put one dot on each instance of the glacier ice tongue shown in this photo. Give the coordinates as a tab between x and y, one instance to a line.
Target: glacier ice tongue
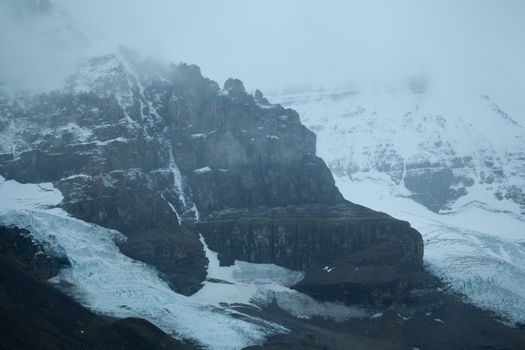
113	284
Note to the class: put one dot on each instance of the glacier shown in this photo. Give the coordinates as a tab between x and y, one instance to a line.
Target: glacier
259	285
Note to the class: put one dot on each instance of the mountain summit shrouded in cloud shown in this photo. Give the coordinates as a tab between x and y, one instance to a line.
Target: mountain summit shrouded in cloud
467	45
40	45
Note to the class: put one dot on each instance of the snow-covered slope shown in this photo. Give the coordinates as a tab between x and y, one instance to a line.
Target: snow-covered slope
449	151
453	166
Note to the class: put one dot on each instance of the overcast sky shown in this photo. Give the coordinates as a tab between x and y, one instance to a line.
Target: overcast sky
270	44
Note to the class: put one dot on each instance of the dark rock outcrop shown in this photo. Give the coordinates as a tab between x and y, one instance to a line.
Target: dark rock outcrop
437	185
22	250
350	253
176	253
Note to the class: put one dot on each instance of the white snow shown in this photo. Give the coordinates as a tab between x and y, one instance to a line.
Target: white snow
82	176
177	177
16	196
12	136
179	219
202	170
201	135
178	184
403	317
102	143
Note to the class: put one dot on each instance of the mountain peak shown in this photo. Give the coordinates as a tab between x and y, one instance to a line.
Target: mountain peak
234	87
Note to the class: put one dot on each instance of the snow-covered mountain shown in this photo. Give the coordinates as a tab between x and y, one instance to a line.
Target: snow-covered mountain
453	166
448	152
107	173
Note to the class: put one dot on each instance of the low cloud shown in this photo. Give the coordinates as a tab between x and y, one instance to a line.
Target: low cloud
470	45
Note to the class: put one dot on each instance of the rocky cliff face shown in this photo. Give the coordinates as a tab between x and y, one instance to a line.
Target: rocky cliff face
343	248
152	150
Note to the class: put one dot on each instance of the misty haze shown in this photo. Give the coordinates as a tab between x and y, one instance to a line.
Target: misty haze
262	174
